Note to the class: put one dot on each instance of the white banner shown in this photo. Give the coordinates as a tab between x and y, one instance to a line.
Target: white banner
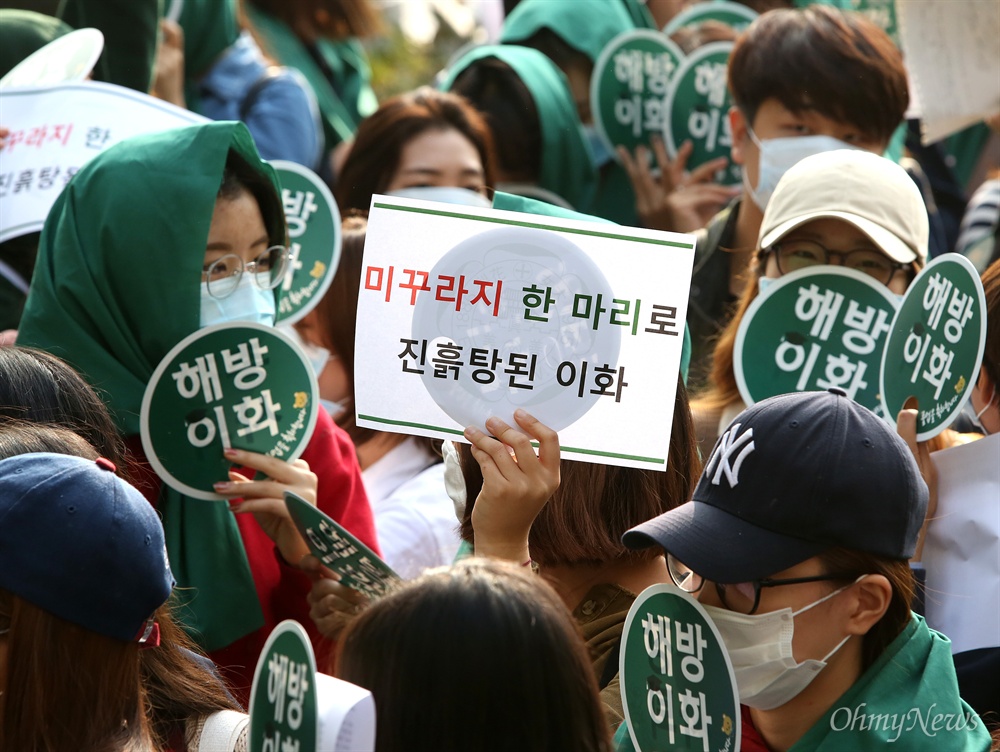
466	313
962	550
56	130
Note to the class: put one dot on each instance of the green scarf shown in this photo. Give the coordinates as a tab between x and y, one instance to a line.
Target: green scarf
345	96
131	30
116	286
566	167
584	25
210	27
23	32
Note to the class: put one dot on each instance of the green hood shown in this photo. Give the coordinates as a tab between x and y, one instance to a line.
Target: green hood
566	167
23	32
345	97
640	15
210	27
116	286
896	699
585	25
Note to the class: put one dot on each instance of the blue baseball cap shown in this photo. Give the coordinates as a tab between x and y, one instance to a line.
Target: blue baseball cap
793	476
81	543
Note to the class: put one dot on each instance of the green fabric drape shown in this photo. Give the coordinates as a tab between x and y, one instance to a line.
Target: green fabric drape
566	167
23	32
344	92
116	286
130	29
210	26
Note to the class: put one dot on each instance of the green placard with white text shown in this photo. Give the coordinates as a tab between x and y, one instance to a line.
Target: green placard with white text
236	385
283	707
811	330
936	344
677	684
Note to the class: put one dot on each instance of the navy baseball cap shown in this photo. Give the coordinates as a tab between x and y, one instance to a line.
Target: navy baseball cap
81	543
791	477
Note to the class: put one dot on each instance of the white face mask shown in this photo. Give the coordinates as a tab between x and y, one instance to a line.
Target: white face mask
248	302
317	356
333	409
447	194
778	155
454	481
760	648
977	418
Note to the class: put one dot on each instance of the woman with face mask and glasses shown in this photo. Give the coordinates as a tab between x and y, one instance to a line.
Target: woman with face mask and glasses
153	239
797	542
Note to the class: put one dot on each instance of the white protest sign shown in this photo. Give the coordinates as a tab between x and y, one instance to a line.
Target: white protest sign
465	313
56	130
953	59
962	550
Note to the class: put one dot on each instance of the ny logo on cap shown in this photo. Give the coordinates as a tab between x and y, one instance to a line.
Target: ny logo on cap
731	442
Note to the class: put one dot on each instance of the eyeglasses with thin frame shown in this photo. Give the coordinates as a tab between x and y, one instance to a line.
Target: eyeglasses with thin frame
741	597
800	253
267	270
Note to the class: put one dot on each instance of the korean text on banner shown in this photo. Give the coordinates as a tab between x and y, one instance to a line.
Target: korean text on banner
466	313
56	130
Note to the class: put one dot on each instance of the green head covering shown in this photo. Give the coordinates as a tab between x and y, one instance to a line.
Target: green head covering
116	286
566	167
210	26
130	29
640	15
343	91
23	32
584	25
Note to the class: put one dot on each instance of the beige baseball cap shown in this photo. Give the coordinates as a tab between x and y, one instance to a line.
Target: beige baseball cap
871	192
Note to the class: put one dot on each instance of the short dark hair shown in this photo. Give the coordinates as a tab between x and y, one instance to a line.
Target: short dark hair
495	654
378	144
839	64
495	89
595	505
239	177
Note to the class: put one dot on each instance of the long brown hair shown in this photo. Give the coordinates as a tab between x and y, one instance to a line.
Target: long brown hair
585	519
69	688
498	660
378	145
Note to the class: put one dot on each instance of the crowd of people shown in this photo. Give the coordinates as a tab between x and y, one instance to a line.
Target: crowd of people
131	614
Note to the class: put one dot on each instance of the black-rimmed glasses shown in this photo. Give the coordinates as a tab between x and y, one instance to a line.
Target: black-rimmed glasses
793	255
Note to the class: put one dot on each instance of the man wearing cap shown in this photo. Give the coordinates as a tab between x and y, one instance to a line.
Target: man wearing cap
796	542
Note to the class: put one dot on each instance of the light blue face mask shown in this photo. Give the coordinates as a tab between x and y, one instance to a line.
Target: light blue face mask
248	302
779	155
447	194
333	409
317	356
599	151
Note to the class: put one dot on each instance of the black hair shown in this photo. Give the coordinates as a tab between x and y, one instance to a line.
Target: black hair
240	177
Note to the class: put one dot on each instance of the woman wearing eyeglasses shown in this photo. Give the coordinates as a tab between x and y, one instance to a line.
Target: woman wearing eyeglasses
845	208
153	239
797	542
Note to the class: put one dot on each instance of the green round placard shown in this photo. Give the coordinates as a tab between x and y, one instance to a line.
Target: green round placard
936	344
677	683
236	385
732	14
283	705
697	108
314	240
811	330
628	88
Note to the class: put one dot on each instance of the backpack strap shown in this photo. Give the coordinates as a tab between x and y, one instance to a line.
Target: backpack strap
253	93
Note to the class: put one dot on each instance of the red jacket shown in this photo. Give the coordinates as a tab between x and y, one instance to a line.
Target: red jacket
282	589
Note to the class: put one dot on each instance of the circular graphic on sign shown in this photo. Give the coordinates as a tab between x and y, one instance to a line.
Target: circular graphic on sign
283	701
732	14
628	88
697	110
71	57
936	344
677	683
238	384
314	240
814	329
533	344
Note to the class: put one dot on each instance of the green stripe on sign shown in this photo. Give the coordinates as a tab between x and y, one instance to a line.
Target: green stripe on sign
534	225
573	450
